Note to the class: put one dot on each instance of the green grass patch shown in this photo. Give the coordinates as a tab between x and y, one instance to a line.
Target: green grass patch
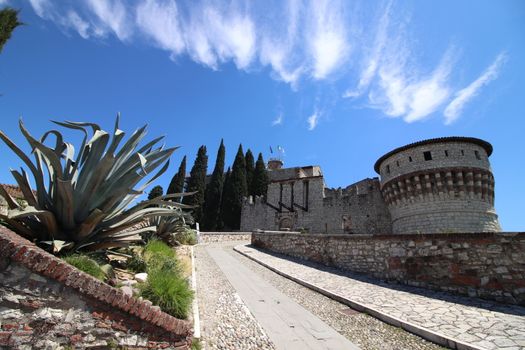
167	289
165	286
86	264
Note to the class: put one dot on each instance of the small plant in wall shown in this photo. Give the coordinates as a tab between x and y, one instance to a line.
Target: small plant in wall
82	199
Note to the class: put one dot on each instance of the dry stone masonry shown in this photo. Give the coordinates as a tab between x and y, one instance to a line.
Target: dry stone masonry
441	185
46	303
486	265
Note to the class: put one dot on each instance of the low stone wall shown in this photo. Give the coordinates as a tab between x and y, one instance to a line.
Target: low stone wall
212	237
46	303
486	265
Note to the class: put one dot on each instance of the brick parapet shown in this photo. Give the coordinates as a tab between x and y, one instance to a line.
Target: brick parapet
484	264
15	249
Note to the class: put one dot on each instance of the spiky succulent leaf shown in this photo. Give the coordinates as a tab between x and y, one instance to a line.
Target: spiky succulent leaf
83	199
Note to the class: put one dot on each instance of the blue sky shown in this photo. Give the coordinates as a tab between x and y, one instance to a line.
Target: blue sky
336	84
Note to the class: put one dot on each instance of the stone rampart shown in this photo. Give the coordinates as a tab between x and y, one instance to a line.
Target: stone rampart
213	237
46	303
486	265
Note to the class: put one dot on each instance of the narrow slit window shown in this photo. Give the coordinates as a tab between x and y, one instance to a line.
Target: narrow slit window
477	155
462	152
388	169
397	162
410	159
446	153
427	155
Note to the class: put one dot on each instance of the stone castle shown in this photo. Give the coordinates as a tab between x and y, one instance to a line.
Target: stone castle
441	185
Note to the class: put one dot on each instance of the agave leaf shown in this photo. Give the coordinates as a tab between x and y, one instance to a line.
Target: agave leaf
59	142
47	152
11	202
57	245
89	224
20	228
23	184
81	149
37	173
64	204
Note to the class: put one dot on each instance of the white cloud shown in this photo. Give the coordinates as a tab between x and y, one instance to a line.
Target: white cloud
297	41
40	7
313	120
112	15
372	57
278	120
327	38
463	96
82	27
160	22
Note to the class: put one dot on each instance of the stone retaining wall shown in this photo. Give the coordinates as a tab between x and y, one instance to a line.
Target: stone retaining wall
212	237
487	265
46	303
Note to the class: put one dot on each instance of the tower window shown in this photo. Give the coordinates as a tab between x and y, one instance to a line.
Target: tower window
446	153
388	169
427	155
462	152
477	155
410	159
397	162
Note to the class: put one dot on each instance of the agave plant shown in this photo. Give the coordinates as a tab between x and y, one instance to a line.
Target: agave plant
83	202
169	227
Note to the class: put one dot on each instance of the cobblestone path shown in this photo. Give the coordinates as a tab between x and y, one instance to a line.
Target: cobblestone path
480	323
226	323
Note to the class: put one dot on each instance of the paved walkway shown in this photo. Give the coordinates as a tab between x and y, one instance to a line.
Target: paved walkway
287	324
466	323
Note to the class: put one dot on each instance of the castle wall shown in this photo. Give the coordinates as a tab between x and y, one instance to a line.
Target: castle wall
487	265
357	209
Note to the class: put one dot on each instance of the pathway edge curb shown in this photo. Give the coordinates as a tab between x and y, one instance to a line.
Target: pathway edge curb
425	333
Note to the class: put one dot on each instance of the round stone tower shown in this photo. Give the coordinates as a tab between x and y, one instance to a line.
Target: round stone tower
439	185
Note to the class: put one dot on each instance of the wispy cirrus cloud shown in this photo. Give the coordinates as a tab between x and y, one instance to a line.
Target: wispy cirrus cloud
463	96
278	120
299	42
313	120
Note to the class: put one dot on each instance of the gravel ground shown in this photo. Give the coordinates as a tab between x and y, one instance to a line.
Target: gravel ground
363	330
226	323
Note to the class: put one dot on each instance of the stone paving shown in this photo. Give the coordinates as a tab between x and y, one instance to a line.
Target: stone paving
479	323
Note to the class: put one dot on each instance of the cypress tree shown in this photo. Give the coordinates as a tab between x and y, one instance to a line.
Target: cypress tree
155	192
212	203
222	211
197	183
8	23
234	192
260	178
250	168
177	182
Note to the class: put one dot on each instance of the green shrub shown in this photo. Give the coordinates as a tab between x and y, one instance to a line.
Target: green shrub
87	265
169	291
136	263
196	344
188	236
157	248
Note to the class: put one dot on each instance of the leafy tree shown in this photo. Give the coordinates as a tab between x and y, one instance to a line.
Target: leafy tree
155	192
260	178
222	212
197	183
8	23
212	203
177	182
235	192
250	168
